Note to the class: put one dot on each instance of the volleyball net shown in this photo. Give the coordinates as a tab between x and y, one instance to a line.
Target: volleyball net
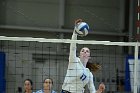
39	58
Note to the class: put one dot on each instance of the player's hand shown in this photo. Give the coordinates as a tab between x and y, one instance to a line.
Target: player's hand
77	21
101	87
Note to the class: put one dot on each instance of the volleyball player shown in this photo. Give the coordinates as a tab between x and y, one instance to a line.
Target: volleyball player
28	86
47	86
78	75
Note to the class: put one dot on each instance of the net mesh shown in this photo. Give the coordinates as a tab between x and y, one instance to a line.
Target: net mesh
40	58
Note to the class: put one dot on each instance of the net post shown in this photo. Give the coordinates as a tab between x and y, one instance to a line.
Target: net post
135	67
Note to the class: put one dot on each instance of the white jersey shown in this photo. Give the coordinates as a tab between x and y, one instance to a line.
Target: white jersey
42	91
77	75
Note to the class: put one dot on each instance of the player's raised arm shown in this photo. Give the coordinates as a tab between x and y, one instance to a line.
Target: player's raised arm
72	55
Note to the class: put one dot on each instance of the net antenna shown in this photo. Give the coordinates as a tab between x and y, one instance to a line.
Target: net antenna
137	38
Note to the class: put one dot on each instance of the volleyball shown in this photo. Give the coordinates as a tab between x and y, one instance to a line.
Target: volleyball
82	28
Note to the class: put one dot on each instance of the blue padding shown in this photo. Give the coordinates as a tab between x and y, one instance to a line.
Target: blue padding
2	73
127	73
127	76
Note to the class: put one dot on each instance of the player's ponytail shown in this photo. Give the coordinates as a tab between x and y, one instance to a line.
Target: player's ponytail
93	67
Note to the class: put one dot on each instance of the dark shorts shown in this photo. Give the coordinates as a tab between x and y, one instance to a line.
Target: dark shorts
64	91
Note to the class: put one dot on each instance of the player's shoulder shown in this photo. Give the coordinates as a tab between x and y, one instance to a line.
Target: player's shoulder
39	91
78	59
54	91
91	75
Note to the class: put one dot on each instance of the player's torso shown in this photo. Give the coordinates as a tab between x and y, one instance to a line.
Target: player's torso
77	76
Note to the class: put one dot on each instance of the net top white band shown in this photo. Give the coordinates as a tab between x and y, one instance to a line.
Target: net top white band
69	41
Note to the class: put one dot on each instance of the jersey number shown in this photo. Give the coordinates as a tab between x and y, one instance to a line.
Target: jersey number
83	77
